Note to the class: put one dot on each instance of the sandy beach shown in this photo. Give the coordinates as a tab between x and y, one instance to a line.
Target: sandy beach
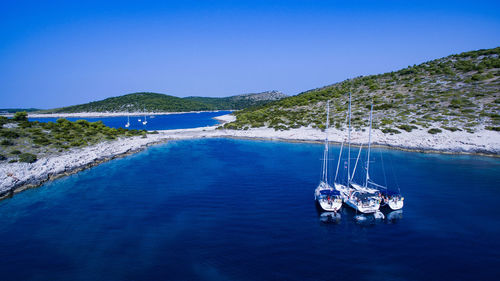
15	177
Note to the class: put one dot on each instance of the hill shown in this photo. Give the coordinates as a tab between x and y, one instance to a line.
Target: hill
154	102
136	102
458	92
240	101
14	110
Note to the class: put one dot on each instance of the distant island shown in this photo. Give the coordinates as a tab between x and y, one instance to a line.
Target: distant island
155	102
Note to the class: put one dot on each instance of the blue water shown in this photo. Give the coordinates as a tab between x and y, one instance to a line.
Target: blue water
224	209
159	122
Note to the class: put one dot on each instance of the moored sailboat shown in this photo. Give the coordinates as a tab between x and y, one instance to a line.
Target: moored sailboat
327	197
363	201
145	119
128	122
390	198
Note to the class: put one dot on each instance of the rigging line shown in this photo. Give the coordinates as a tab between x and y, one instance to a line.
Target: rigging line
383	167
340	154
349	142
394	174
355	165
369	147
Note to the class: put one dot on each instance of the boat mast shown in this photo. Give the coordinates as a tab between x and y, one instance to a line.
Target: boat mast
357	158
369	147
340	155
349	142
325	153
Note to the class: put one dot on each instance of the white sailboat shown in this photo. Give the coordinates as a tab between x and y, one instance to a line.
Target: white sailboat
128	122
145	120
344	189
327	197
392	199
360	200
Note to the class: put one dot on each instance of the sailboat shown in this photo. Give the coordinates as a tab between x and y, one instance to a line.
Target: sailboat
344	189
145	120
327	197
360	200
128	122
392	199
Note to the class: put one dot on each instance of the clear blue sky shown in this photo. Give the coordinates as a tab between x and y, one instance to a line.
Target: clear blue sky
58	53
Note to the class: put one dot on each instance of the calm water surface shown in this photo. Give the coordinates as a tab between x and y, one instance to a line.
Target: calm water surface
159	122
223	209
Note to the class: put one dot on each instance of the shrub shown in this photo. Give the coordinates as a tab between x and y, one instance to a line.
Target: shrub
83	123
41	141
10	134
407	128
452	129
390	130
3	120
15	152
492	128
27	158
434	131
6	142
2	157
20	116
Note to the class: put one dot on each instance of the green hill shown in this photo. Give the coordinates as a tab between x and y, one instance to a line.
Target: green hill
151	102
14	110
458	92
240	101
154	102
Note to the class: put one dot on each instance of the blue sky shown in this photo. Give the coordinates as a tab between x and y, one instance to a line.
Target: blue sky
59	53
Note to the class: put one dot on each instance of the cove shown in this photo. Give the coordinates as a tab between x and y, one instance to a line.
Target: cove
227	209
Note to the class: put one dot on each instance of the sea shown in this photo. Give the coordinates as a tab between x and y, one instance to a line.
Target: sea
154	122
230	209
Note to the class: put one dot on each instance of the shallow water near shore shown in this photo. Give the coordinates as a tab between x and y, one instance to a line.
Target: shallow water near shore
227	209
158	122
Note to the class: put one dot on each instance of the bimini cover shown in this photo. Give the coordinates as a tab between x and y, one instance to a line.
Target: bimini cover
329	192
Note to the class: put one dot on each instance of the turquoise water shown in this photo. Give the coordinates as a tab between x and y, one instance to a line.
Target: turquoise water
224	209
159	122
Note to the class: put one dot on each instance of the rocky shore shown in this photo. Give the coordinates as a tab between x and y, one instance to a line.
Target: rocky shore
15	177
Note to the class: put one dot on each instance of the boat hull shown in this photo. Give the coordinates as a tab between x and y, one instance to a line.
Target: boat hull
362	209
395	204
329	206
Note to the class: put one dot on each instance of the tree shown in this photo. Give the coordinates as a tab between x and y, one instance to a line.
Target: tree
20	116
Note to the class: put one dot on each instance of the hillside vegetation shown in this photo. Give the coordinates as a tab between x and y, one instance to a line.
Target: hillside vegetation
14	110
24	141
240	101
154	102
458	92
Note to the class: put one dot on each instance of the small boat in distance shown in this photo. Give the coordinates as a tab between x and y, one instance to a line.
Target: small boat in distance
145	120
128	122
327	197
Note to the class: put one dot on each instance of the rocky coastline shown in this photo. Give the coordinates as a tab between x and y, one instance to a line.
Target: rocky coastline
16	177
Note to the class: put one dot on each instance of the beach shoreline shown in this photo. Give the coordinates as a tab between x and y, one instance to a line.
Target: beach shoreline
16	177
